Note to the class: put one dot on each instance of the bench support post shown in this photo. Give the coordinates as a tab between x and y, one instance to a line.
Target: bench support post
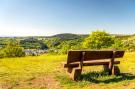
111	63
115	70
77	71
106	68
69	69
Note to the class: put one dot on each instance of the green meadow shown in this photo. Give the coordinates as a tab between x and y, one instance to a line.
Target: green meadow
38	36
46	72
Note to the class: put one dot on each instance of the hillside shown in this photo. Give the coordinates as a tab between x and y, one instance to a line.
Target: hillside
68	36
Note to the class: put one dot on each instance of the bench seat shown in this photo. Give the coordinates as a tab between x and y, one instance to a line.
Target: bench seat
90	63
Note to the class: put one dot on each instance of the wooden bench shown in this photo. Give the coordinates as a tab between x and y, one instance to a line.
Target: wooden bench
77	59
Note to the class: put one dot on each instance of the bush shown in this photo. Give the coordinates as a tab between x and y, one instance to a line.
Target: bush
12	49
69	45
98	40
2	54
64	49
129	45
118	44
14	52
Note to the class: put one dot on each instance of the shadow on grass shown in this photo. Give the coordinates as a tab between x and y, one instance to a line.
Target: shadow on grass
103	77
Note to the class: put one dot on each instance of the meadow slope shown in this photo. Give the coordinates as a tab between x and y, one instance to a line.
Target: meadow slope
46	72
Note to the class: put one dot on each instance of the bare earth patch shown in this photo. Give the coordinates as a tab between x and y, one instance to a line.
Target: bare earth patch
47	82
44	81
51	83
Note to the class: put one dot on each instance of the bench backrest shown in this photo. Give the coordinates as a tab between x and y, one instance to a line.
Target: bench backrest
119	53
97	55
76	56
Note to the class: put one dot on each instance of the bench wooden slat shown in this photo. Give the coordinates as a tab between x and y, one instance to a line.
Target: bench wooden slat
96	55
89	63
119	53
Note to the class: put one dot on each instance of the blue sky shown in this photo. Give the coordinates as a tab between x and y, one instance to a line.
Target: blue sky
49	17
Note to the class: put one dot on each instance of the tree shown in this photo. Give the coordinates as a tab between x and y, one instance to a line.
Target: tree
98	40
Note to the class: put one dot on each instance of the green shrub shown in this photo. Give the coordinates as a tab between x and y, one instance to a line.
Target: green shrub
14	52
2	54
98	40
118	44
129	45
64	49
13	49
69	45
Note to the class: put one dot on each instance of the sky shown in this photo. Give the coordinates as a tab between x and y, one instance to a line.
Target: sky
49	17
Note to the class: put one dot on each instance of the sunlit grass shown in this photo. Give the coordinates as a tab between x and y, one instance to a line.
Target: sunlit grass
13	71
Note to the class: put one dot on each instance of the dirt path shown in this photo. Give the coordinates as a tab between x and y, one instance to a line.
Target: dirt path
43	82
51	83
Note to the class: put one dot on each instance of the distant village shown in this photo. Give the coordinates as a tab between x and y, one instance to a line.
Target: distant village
34	52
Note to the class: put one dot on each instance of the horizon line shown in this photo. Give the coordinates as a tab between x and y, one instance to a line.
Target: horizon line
2	36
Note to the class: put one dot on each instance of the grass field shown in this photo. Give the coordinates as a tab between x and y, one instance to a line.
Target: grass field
46	72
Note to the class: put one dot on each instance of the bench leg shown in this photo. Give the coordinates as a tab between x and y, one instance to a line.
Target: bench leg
106	68
115	70
69	69
75	73
110	72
